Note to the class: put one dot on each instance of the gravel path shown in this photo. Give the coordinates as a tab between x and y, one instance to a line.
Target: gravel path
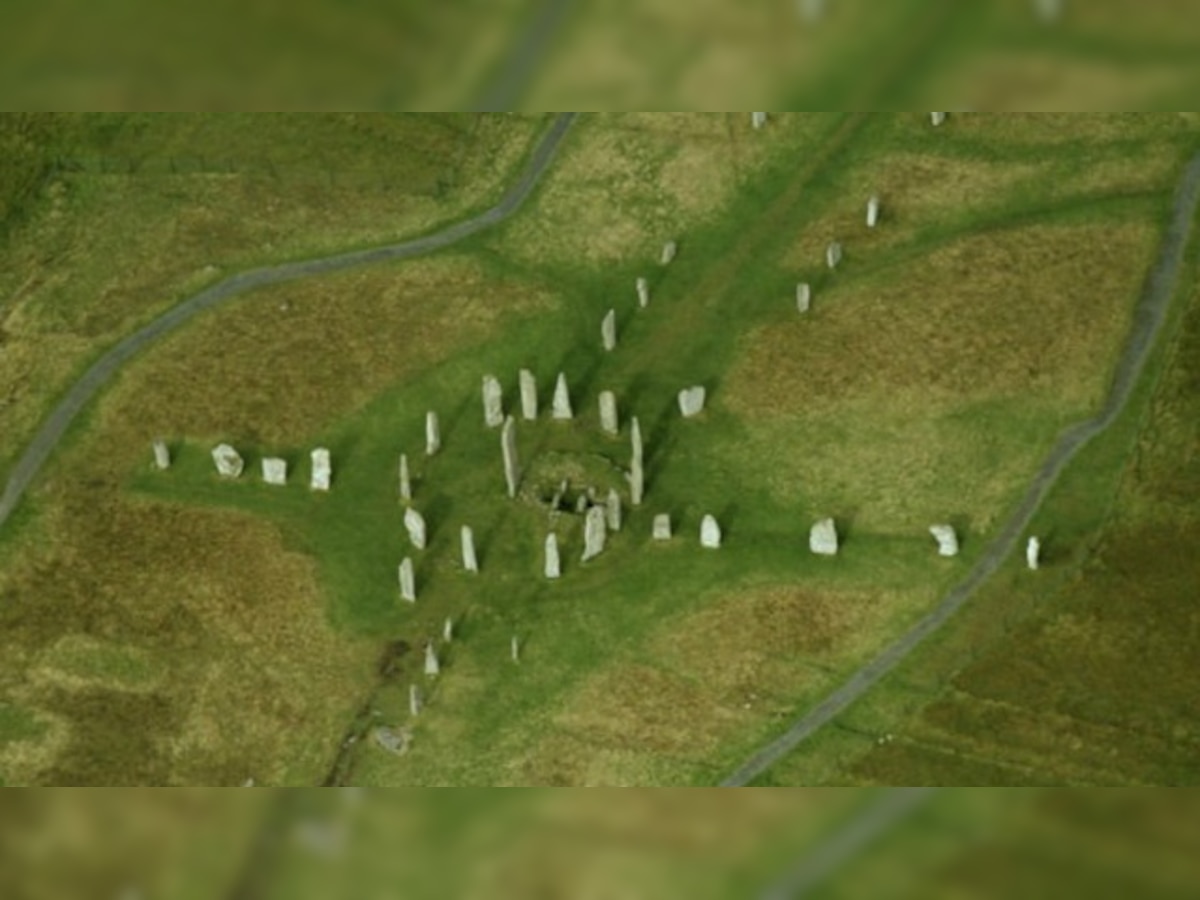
55	425
1148	319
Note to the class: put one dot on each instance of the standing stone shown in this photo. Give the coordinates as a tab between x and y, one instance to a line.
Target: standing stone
561	408
946	539
448	629
595	530
553	567
833	254
612	511
228	461
873	211
691	401
162	456
493	411
581	504
274	470
408	583
405	482
415	523
470	563
608	412
823	539
670	248
431	661
758	119
643	292
803	296
937	118
637	477
508	447
1032	549
433	434
662	527
608	330
515	649
529	404
710	533
414	700
322	470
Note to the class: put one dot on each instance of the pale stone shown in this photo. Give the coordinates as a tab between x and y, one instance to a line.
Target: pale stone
470	563
811	11
946	538
608	330
393	740
322	470
872	212
561	407
553	568
414	700
662	527
758	119
529	402
637	477
581	503
833	254
493	411
1048	10
670	248
595	530
408	584
612	511
710	533
937	118
448	630
431	660
162	456
508	448
274	470
228	461
433	434
415	523
405	481
823	538
691	401
643	293
1032	549
803	296
608	412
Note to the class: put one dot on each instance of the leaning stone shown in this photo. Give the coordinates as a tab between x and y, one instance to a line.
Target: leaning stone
529	404
1032	551
493	411
823	538
691	401
470	563
414	700
447	629
710	533
274	470
595	530
393	740
415	523
803	296
561	407
612	511
228	461
162	456
405	482
321	469
833	255
408	586
608	412
643	293
946	539
758	119
670	248
508	448
872	212
431	660
637	477
433	434
553	568
608	330
662	527
937	118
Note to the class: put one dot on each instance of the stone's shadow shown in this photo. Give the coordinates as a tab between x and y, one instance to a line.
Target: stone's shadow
843	520
451	423
961	523
727	519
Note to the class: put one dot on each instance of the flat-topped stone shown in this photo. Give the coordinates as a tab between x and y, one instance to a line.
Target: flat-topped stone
608	330
937	118
612	511
274	470
433	434
758	120
470	562
529	401
691	401
228	461
608	412
710	533
803	296
823	538
553	565
872	211
322	469
162	456
662	527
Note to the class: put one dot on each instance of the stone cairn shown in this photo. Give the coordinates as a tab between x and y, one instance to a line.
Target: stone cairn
670	248
643	292
1032	551
872	211
608	331
803	296
529	401
433	434
612	511
833	254
595	530
823	538
405	481
637	477
946	538
322	469
508	448
493	411
228	461
758	120
937	118
553	568
414	523
431	661
710	533
561	407
470	563
408	584
162	456
608	412
274	470
691	401
662	527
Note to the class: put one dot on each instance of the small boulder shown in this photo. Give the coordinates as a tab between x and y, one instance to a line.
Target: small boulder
823	538
228	461
691	401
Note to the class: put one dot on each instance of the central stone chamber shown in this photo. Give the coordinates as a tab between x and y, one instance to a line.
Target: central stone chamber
568	482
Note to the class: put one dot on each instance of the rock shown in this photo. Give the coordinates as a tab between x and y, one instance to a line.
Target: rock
758	119
812	11
508	448
595	530
561	407
637	478
431	661
833	254
1032	550
612	511
529	403
643	292
162	456
414	522
937	118
405	482
447	629
662	527
515	649
408	586
493	411
710	533
1048	11
691	401
229	463
670	248
872	212
803	296
470	563
274	470
946	538
433	434
581	504
608	412
414	700
608	330
393	740
823	538
553	567
322	470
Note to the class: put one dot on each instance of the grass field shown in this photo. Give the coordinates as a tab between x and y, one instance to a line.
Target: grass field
258	629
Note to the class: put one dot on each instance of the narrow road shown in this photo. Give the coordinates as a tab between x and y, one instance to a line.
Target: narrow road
55	425
1148	319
